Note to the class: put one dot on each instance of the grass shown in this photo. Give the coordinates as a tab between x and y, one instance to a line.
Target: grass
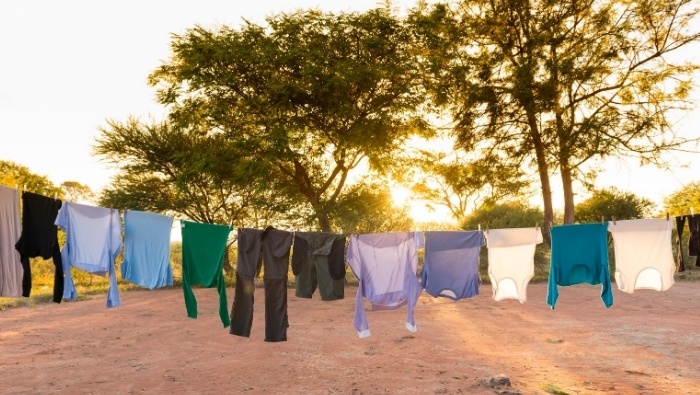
553	389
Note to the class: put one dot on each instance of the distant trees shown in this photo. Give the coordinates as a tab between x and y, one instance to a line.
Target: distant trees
681	201
76	192
12	174
462	184
612	203
503	215
555	84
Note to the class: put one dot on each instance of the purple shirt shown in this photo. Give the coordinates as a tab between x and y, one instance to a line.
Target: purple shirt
385	265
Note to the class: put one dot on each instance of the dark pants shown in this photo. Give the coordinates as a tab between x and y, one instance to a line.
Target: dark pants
271	250
316	275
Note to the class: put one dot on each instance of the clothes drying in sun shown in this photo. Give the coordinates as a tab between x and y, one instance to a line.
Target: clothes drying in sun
385	266
203	249
579	255
318	262
93	242
643	254
511	254
40	239
11	271
694	238
147	249
451	264
268	250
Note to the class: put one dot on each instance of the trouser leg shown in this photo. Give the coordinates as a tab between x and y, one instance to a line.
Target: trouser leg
242	310
276	319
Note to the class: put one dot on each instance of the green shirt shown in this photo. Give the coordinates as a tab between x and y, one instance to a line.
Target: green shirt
203	249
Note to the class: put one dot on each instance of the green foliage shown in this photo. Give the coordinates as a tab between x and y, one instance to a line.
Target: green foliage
305	99
369	208
13	174
613	203
461	184
161	171
681	201
504	215
73	191
558	84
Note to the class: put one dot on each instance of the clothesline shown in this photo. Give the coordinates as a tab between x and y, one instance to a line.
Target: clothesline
385	264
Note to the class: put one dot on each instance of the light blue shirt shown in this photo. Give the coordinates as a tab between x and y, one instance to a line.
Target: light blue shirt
93	242
147	249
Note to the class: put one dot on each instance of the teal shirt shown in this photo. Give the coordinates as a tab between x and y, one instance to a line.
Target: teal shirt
203	249
579	255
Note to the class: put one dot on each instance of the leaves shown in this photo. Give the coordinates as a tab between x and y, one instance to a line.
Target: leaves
559	84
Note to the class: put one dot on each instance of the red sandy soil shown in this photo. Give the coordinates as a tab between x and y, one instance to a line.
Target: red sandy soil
646	343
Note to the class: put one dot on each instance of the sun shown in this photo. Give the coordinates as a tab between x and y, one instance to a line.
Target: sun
420	210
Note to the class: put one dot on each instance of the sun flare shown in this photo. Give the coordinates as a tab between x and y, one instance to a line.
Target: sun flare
419	210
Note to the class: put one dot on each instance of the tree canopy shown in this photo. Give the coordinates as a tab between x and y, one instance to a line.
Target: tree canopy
555	84
266	123
304	100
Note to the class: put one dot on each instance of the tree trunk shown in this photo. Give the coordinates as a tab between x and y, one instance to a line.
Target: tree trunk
228	268
543	172
567	182
324	222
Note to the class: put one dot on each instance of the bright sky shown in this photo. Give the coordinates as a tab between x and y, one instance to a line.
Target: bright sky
67	66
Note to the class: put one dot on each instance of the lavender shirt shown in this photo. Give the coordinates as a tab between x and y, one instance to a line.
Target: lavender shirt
385	265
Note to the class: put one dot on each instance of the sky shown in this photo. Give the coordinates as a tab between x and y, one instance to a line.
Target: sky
68	66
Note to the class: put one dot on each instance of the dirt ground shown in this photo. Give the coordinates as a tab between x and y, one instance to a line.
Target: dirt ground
646	343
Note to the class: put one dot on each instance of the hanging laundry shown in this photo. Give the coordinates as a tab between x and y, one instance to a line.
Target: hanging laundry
203	249
317	261
451	264
643	254
11	271
270	247
40	239
511	254
385	266
579	255
680	224
694	238
147	249
93	242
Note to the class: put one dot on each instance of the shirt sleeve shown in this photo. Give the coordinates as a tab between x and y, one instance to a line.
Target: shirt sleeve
360	318
552	291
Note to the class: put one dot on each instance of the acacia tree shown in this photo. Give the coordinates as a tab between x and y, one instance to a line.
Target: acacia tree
160	172
311	96
559	83
462	184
